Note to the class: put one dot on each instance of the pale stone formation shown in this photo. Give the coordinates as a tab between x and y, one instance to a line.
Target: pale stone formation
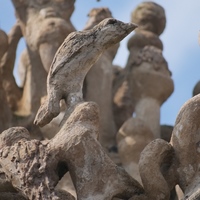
44	25
3	43
72	61
23	67
94	175
176	163
151	85
158	183
150	16
185	140
5	114
131	144
13	93
151	20
98	83
145	83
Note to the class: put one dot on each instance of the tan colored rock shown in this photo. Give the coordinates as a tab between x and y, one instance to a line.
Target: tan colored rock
122	102
80	50
157	155
132	137
98	83
151	85
44	26
94	175
5	114
96	15
149	16
3	43
185	141
13	93
21	172
23	67
176	163
151	20
93	171
138	41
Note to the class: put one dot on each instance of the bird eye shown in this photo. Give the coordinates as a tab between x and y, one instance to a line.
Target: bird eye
112	21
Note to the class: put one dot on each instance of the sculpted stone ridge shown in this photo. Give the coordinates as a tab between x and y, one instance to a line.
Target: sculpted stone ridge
74	58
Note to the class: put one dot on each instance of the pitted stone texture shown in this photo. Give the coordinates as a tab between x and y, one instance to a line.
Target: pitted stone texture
13	93
73	60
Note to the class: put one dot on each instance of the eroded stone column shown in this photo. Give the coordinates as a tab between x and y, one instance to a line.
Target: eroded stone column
44	26
148	80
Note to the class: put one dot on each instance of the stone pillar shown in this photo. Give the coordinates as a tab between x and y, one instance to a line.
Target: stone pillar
44	26
148	79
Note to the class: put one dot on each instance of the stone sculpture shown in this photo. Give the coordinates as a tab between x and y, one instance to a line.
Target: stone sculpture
44	25
71	63
32	168
147	83
5	116
98	84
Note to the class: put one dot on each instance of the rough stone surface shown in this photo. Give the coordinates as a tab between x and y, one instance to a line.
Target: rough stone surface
185	140
3	43
94	175
5	114
34	169
13	93
151	20
44	26
98	83
155	156
75	51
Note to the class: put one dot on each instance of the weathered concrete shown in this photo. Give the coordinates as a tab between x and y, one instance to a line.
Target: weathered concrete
80	50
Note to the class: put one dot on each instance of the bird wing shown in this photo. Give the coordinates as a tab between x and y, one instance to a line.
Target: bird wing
70	48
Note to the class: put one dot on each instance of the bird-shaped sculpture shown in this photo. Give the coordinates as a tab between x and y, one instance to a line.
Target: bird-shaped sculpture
72	61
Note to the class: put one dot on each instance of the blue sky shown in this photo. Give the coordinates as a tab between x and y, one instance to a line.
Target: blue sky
180	39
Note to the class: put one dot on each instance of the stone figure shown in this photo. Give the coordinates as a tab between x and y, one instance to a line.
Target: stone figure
98	84
149	168
44	25
5	115
145	83
74	58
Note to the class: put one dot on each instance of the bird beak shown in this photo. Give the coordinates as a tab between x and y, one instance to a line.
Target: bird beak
131	26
